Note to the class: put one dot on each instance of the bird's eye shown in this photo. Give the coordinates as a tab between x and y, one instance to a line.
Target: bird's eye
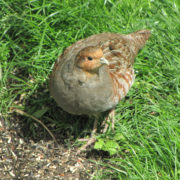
110	48
90	58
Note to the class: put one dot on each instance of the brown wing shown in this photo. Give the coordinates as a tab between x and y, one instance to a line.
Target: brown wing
120	52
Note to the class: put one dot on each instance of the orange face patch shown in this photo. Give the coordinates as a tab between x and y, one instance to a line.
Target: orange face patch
88	59
87	65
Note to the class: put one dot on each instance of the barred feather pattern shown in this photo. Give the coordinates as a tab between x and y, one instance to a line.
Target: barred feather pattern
120	57
122	83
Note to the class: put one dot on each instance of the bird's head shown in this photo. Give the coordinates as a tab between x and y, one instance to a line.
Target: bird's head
90	59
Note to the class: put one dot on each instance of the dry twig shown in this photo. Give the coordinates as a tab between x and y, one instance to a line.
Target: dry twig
37	120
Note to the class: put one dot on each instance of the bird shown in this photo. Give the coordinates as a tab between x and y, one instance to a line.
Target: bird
94	74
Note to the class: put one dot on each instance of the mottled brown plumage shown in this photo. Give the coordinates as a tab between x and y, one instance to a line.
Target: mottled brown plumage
95	73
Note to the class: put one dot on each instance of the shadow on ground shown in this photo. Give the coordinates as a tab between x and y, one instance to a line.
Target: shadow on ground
65	127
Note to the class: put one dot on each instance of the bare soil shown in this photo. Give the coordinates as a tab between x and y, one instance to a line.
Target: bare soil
22	157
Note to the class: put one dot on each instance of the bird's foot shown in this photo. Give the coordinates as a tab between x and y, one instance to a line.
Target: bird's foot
89	142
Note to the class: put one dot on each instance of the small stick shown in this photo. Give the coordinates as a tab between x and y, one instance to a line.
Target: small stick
37	120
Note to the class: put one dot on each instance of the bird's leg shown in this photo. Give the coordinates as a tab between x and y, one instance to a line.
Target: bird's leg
110	118
92	139
95	126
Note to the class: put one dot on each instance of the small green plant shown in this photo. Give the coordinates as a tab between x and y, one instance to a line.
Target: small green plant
110	145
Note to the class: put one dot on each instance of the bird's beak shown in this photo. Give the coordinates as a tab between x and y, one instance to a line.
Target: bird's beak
104	61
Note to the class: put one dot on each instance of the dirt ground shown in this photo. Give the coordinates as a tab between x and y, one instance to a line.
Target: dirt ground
24	158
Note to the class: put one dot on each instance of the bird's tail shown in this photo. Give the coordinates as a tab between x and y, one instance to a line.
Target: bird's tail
138	39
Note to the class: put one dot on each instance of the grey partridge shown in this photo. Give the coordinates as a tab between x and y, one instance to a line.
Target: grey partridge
94	74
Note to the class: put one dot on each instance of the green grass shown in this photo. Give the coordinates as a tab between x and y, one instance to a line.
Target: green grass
33	34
